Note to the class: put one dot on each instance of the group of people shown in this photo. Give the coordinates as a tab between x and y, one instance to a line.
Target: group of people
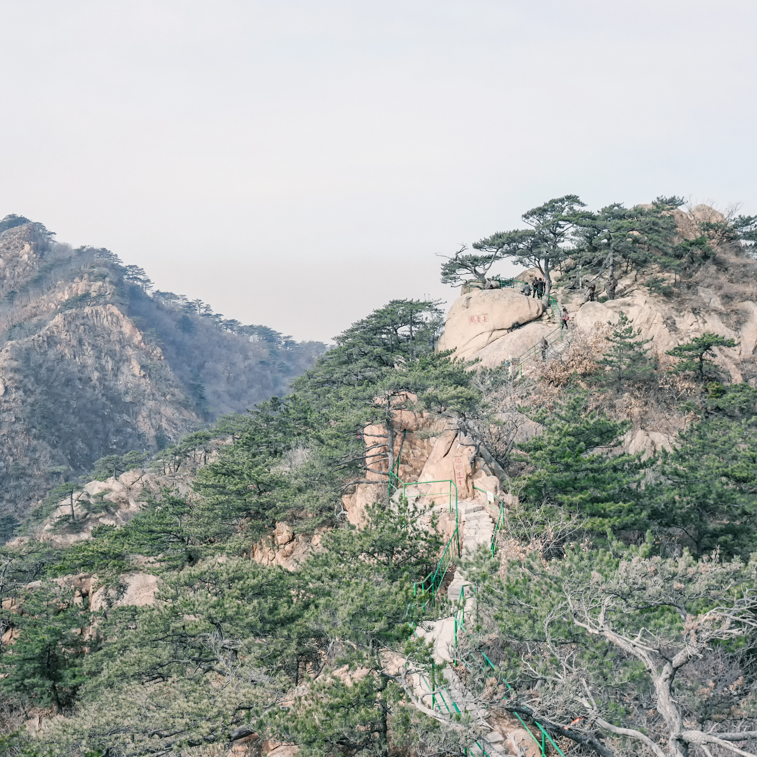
536	289
611	287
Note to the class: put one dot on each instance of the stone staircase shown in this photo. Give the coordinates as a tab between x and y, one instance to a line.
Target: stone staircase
477	530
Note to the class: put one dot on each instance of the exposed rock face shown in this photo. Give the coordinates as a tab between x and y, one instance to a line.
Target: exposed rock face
718	296
122	498
416	443
667	325
92	365
134	589
478	319
451	459
86	386
285	548
514	344
431	452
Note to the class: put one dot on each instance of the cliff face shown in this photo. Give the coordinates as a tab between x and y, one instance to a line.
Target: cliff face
91	364
716	296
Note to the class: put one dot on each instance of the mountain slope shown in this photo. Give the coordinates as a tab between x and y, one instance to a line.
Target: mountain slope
92	364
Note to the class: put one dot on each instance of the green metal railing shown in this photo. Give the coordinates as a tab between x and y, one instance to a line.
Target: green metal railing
452	488
530	354
430	585
460	626
460	613
474	665
434	580
500	517
394	472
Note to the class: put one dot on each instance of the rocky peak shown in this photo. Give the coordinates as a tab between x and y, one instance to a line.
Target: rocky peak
91	364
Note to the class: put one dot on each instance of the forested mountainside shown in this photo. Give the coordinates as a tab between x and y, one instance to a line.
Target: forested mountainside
548	550
93	362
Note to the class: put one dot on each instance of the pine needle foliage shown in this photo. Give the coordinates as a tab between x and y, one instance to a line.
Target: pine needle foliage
616	636
627	358
695	356
576	465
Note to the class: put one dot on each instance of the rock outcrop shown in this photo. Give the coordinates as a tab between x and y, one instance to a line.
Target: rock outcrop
480	318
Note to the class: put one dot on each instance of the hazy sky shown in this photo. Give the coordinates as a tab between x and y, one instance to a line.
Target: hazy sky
298	163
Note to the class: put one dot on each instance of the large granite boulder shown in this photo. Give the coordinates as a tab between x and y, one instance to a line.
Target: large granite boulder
477	319
514	344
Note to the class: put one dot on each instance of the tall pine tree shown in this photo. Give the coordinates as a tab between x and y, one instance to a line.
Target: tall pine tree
576	466
627	358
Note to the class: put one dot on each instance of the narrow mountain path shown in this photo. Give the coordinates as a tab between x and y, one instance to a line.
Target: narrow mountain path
450	695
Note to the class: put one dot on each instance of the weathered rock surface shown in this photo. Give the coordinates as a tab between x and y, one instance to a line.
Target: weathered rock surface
415	436
134	589
92	365
120	500
285	548
512	345
477	319
667	326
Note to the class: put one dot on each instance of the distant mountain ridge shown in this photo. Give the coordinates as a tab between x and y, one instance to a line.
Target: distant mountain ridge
93	362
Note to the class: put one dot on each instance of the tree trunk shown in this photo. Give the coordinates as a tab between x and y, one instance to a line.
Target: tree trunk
547	280
73	514
389	447
668	708
611	277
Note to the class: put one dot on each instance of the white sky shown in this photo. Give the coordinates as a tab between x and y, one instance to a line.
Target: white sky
298	164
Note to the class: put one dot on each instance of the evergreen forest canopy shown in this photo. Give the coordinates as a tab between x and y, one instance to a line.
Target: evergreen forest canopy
617	610
563	235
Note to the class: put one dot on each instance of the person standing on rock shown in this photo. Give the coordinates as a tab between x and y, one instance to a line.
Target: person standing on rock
544	346
540	284
564	318
527	289
591	290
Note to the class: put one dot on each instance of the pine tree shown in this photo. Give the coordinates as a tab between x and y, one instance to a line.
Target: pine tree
45	662
574	467
621	645
464	266
706	496
694	356
631	237
544	244
627	358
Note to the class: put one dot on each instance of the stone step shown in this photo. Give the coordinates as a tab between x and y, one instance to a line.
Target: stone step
474	528
473	508
480	515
